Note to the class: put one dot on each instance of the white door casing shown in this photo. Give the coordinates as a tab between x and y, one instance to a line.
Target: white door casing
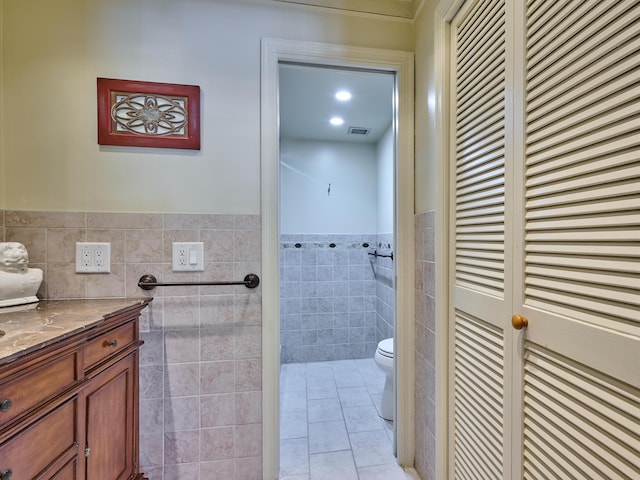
401	64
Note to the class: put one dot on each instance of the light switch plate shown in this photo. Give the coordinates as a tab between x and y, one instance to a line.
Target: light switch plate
187	257
93	257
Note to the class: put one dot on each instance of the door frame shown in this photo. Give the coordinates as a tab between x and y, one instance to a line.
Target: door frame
400	63
444	15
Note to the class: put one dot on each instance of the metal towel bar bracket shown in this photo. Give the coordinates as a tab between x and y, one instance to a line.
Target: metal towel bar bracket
376	254
149	282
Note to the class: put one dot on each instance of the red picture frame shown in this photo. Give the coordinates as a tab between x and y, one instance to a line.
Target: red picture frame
148	114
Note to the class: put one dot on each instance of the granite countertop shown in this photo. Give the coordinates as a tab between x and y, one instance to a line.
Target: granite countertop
30	327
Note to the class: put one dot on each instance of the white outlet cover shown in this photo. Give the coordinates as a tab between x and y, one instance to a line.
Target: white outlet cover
187	256
93	257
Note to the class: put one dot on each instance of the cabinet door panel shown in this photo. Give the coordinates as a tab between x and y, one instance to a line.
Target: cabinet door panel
68	472
111	422
49	441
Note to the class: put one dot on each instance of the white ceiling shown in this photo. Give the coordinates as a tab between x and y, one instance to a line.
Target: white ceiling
307	102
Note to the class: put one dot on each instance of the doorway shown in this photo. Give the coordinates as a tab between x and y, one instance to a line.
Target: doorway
337	274
400	64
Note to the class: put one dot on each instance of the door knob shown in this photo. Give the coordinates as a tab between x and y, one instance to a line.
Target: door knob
519	322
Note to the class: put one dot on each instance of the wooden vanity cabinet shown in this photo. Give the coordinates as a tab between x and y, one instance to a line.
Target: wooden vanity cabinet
69	411
40	412
45	448
110	422
110	402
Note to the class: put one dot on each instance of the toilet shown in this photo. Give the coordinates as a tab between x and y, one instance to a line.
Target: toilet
384	360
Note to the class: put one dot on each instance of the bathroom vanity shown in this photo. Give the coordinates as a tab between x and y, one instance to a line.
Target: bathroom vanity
69	390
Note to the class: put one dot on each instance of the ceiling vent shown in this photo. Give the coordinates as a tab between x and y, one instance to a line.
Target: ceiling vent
358	131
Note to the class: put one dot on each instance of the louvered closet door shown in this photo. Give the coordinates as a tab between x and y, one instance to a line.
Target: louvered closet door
481	287
552	233
580	253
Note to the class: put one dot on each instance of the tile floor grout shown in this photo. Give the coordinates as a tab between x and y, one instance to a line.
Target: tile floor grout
330	427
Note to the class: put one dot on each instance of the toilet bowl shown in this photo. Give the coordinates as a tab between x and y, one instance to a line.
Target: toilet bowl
384	360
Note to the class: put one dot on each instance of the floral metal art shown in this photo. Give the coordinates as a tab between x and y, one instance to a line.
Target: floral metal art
148	114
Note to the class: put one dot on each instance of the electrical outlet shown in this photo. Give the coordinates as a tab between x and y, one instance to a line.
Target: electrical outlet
98	257
86	256
187	256
93	257
182	255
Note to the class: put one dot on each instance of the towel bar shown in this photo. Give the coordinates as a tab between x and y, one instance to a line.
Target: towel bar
376	254
149	282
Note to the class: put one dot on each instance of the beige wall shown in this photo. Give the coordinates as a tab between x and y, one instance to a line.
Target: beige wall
53	52
50	161
2	189
425	181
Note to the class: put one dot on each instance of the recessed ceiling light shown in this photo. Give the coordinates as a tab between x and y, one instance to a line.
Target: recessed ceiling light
337	121
343	95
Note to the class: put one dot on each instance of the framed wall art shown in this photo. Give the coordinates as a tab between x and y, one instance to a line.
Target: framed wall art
148	114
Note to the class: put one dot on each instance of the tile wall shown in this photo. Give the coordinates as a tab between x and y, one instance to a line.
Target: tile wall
200	366
425	346
336	299
385	295
201	406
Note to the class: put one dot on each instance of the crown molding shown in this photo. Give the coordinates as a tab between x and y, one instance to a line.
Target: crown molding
405	9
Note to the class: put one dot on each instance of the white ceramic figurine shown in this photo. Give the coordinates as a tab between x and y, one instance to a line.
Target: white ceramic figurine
18	282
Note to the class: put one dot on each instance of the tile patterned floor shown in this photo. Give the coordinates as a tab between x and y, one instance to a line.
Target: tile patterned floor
329	423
